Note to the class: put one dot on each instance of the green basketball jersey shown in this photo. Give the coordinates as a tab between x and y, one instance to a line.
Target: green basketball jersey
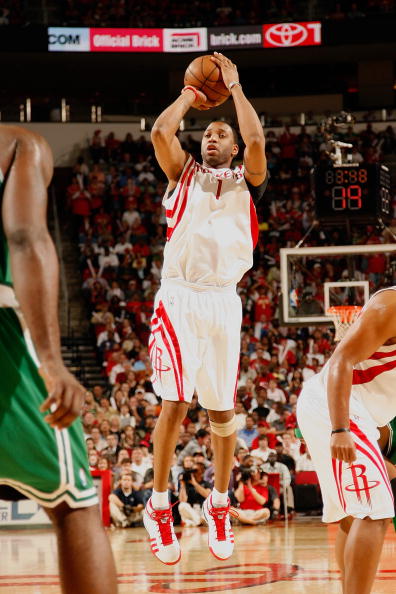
390	450
5	267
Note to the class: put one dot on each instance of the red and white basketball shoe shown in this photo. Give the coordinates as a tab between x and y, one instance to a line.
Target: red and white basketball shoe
162	537
220	536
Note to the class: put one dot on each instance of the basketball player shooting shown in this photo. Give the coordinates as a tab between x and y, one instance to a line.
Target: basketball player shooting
338	412
195	340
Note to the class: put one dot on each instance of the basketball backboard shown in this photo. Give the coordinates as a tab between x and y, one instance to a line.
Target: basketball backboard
316	278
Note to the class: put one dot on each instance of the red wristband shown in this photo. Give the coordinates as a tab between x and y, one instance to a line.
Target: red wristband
193	89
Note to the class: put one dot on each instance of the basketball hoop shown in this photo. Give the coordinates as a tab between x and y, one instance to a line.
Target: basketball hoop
343	317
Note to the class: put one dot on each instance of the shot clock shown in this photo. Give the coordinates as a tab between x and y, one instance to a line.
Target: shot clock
354	192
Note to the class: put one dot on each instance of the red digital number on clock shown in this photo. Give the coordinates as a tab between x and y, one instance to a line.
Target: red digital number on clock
346	197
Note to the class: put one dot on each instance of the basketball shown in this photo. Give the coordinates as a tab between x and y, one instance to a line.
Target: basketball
205	75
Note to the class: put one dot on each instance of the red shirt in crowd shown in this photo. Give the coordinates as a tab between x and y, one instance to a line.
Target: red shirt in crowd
250	502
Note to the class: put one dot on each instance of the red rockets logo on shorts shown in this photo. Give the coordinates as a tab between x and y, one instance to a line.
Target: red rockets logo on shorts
360	483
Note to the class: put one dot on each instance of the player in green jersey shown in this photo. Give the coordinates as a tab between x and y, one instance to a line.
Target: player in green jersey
42	450
387	443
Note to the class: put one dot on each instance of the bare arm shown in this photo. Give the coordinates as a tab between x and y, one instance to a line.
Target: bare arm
239	493
384	437
114	499
254	158
182	492
374	327
33	259
35	267
203	491
260	499
170	155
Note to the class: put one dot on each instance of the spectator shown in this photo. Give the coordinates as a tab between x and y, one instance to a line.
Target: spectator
200	443
240	415
112	449
139	465
273	466
274	393
252	496
98	441
249	432
125	504
291	446
263	451
192	493
304	463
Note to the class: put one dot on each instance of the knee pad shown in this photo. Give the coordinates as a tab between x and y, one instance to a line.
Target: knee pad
224	429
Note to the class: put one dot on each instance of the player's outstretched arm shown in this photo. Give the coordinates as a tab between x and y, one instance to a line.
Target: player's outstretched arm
254	158
170	155
373	328
34	263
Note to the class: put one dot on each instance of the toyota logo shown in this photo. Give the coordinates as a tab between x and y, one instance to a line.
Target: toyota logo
286	34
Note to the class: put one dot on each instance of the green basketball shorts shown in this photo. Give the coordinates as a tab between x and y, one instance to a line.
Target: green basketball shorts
45	464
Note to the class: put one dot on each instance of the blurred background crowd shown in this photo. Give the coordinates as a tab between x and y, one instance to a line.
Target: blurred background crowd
171	13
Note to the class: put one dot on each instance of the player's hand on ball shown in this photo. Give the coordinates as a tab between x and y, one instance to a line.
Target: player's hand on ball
201	101
343	447
65	395
228	69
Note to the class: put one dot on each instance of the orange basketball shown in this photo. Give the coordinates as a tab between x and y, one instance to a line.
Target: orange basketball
205	75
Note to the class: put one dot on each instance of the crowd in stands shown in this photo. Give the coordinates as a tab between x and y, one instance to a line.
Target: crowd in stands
115	199
11	13
172	13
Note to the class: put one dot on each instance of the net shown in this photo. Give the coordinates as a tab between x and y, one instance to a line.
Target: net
343	317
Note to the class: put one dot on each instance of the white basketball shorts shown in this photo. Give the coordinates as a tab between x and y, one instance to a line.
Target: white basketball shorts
360	489
195	343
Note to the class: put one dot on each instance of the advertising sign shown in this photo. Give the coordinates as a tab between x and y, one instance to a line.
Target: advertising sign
22	513
194	39
185	40
68	39
234	37
292	34
126	40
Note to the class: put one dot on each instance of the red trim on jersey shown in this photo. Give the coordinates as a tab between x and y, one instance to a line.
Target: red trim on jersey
363	376
254	228
180	214
340	481
334	464
379	463
220	183
177	365
236	384
383	355
171	213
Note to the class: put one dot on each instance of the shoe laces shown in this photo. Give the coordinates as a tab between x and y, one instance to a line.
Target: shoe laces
220	515
164	518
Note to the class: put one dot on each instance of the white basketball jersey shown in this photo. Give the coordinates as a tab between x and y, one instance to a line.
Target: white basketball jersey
373	381
212	226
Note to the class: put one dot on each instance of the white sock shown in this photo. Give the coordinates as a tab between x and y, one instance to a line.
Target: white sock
160	499
219	499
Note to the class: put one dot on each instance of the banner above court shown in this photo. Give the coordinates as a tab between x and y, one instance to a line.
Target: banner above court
186	40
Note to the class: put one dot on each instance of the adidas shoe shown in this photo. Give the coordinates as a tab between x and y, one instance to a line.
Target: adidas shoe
220	536
162	537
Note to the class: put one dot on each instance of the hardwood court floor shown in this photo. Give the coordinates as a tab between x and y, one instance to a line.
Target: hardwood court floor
268	559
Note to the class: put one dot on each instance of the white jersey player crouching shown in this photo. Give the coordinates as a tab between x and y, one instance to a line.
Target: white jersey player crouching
338	412
195	339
